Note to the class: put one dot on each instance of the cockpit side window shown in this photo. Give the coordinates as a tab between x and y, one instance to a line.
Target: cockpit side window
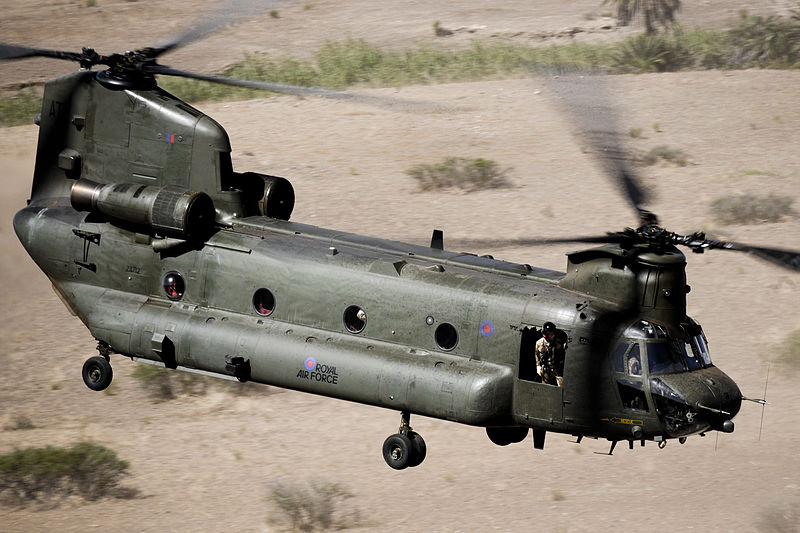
634	362
619	357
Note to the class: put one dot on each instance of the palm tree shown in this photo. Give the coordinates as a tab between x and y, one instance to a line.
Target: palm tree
661	12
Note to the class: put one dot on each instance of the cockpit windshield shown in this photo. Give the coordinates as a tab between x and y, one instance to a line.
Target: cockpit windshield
667	354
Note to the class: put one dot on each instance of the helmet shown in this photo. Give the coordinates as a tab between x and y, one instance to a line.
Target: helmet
548	327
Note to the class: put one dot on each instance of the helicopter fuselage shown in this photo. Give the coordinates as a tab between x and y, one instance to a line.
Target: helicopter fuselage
112	222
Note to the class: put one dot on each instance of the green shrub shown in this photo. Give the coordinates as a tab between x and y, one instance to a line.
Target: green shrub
20	422
652	52
458	172
19	108
317	507
789	352
663	153
165	384
86	469
770	41
751	208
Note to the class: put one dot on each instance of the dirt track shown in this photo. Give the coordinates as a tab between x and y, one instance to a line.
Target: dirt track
204	463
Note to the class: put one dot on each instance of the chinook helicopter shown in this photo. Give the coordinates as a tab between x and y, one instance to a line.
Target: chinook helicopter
169	256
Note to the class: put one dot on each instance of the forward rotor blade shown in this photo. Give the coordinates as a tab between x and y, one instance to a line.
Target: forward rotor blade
394	104
585	98
789	259
227	14
9	52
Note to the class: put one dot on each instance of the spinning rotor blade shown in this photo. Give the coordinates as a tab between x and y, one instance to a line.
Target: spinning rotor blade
10	51
789	259
300	90
504	243
228	13
585	99
656	238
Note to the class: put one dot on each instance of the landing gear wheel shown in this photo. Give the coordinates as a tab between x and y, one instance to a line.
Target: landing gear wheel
418	449
97	373
398	451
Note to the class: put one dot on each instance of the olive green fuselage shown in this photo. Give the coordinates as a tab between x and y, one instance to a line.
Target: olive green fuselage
410	328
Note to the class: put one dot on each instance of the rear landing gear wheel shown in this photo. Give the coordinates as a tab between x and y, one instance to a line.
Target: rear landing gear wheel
418	449
97	373
397	451
405	448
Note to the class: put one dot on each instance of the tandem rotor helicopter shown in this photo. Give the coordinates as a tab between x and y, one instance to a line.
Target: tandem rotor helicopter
170	256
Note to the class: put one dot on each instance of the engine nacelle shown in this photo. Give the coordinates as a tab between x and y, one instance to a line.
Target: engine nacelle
270	196
170	210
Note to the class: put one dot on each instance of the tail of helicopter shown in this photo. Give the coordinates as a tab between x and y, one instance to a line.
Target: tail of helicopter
141	156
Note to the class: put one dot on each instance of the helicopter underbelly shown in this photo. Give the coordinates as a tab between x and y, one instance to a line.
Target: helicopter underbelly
298	357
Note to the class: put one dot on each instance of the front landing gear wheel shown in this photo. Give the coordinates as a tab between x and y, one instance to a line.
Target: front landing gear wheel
398	451
97	373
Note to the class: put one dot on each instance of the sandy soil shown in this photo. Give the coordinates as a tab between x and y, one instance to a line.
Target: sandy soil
205	463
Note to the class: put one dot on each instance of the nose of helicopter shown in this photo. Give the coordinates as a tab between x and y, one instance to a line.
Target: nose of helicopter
693	401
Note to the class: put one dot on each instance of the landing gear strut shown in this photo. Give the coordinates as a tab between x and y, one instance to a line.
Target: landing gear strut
97	373
406	447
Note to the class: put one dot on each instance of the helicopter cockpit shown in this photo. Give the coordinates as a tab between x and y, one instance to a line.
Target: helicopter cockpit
665	354
672	375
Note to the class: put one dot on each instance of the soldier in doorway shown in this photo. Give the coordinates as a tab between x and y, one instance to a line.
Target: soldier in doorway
548	349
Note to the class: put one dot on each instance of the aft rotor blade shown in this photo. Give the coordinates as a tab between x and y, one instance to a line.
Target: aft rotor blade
585	99
10	51
505	243
378	101
227	14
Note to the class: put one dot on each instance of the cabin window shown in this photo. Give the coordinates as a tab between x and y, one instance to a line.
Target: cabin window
264	302
174	286
355	319
446	336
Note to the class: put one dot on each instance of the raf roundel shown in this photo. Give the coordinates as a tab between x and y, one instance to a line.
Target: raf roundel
310	363
487	328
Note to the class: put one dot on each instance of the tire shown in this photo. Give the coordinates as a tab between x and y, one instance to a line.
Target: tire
97	373
418	449
517	434
397	451
498	436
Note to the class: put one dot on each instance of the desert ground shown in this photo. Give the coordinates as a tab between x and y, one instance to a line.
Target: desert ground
205	463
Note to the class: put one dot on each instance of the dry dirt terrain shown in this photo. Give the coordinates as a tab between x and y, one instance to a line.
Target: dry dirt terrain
205	463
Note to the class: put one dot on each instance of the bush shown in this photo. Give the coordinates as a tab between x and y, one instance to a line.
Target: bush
649	52
468	174
751	208
165	384
20	422
765	41
86	469
666	154
789	352
310	509
19	108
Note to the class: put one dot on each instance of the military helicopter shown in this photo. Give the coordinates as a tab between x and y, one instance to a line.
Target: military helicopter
171	257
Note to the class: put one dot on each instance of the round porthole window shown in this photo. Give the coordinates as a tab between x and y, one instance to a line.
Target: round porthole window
174	285
446	336
264	302
355	319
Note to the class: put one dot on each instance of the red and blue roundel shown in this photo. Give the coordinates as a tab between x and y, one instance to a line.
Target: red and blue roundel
310	364
487	328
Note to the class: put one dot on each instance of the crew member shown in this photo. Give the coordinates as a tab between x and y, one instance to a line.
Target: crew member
547	349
